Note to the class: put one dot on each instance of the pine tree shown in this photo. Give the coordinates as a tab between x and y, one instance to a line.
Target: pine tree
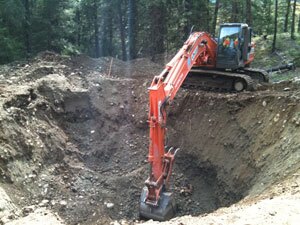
27	26
128	28
248	13
132	26
96	28
215	17
234	11
121	26
11	31
157	27
286	20
299	25
275	26
293	20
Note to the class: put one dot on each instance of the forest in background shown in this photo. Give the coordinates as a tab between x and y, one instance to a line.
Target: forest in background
128	29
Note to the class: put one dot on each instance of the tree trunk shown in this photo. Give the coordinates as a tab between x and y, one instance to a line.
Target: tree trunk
106	47
207	20
78	27
215	18
27	26
110	33
248	13
187	7
122	29
96	30
132	18
234	13
269	18
299	25
293	21
275	26
286	20
157	28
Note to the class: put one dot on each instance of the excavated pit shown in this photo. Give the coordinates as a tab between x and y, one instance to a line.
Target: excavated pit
83	139
231	146
111	149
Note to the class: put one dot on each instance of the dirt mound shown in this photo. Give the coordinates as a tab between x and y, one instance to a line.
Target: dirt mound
112	67
74	139
66	137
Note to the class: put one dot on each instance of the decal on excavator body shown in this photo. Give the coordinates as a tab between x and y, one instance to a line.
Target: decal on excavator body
195	53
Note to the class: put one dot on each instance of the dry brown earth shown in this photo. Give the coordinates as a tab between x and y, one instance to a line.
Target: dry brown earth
74	140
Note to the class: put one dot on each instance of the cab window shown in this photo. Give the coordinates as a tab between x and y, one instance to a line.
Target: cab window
231	32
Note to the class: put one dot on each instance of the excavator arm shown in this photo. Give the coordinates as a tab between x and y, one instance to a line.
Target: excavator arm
156	201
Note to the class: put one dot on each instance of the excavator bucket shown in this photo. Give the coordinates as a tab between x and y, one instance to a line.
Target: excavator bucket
165	210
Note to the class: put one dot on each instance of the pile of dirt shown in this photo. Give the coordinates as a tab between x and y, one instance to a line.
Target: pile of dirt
74	140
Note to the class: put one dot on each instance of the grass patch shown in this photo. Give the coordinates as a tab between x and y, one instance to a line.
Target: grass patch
287	50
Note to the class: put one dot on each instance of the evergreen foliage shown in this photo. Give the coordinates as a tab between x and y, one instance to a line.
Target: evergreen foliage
128	28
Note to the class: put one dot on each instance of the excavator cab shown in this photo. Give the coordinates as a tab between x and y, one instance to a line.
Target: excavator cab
234	46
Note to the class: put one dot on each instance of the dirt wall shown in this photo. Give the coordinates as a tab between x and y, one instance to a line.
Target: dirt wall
74	140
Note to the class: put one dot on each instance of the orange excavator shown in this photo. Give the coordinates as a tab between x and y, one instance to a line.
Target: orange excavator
203	61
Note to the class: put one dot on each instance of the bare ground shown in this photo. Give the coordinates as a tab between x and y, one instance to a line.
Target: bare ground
74	141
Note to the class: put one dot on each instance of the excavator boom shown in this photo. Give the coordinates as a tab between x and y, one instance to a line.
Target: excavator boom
156	201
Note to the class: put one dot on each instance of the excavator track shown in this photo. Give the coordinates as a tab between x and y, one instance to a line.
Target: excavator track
216	80
259	75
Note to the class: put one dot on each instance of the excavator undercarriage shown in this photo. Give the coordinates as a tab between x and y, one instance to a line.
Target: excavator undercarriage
239	80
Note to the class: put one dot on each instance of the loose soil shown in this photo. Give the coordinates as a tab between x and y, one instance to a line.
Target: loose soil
74	139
